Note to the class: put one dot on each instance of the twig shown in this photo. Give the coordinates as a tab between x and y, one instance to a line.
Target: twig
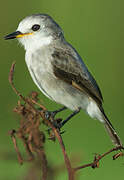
11	80
40	105
95	163
26	145
12	134
11	75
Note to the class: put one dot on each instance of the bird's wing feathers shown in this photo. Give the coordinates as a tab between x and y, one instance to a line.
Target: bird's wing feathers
69	69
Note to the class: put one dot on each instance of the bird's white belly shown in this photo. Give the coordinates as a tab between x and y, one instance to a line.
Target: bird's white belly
58	90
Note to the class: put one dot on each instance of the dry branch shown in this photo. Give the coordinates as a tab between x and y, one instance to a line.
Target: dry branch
33	138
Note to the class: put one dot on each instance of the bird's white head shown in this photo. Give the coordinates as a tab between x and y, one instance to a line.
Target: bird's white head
36	30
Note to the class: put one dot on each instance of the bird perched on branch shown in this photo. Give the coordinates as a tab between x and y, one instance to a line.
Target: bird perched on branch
58	70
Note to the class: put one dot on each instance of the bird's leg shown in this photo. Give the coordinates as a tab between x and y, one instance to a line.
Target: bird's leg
59	110
53	113
61	124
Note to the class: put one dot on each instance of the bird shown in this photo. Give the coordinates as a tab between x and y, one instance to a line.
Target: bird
59	71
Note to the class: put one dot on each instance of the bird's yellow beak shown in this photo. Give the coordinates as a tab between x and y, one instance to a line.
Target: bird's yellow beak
16	34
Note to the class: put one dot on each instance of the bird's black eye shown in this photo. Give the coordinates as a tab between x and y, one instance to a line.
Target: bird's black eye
35	27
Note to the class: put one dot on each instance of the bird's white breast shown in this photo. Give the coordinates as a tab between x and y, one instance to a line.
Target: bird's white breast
40	68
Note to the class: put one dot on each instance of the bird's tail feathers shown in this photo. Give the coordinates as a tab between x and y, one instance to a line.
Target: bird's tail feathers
111	131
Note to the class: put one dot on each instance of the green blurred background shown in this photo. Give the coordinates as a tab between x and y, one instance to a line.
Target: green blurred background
95	29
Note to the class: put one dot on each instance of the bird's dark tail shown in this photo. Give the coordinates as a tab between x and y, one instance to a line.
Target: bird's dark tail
111	131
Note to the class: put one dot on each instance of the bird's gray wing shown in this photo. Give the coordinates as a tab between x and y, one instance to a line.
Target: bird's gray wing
73	71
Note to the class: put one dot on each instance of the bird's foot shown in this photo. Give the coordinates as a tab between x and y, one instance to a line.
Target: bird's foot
49	114
59	123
